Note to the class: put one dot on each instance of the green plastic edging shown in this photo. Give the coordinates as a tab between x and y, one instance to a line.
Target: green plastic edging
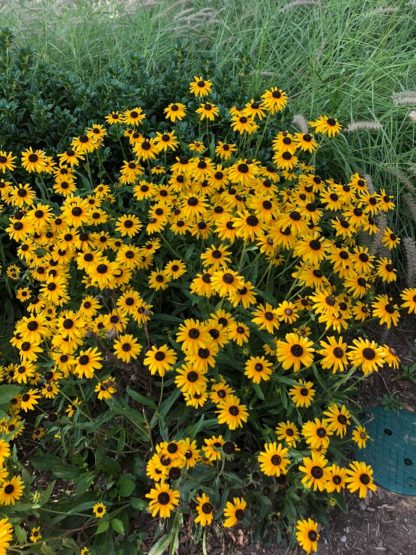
392	449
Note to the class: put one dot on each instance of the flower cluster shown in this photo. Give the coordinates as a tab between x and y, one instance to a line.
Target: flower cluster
222	285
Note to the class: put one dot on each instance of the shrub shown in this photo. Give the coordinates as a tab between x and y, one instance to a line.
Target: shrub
195	297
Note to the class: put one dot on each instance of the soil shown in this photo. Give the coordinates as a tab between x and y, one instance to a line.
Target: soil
382	524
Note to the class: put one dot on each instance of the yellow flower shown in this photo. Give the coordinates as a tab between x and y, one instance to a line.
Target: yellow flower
200	87
234	511
99	510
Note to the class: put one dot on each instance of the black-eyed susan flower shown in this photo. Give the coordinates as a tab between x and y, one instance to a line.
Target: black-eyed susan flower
225	150
357	285
338	418
386	311
219	391
212	448
366	355
127	348
265	318
175	269
159	360
287	312
99	510
305	142
327	125
218	332
133	117
106	389
4	451
336	479
7	161
163	500
307	535
216	257
128	225
288	432
87	362
203	357
204	509
386	270
190	379
316	433
193	335
113	118
166	141
6	535
232	413
145	148
226	281
11	490
360	478
175	111
234	511
244	172
274	459
207	111
22	195
200	87
258	369
244	296
315	471
360	436
202	285
34	160
239	333
294	352
84	144
274	100
409	299
244	123
29	400
390	239
35	534
334	353
302	395
255	109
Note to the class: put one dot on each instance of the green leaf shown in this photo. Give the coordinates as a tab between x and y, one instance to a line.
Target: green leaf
138	504
141	399
117	525
258	391
168	403
44	498
125	486
161	545
102	527
107	464
7	392
46	550
20	534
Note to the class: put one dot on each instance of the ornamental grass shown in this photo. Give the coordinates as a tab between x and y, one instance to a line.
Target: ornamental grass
196	307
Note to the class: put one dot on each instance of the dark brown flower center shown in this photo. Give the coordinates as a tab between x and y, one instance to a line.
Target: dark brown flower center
317	472
276	460
296	350
369	353
207	508
163	498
